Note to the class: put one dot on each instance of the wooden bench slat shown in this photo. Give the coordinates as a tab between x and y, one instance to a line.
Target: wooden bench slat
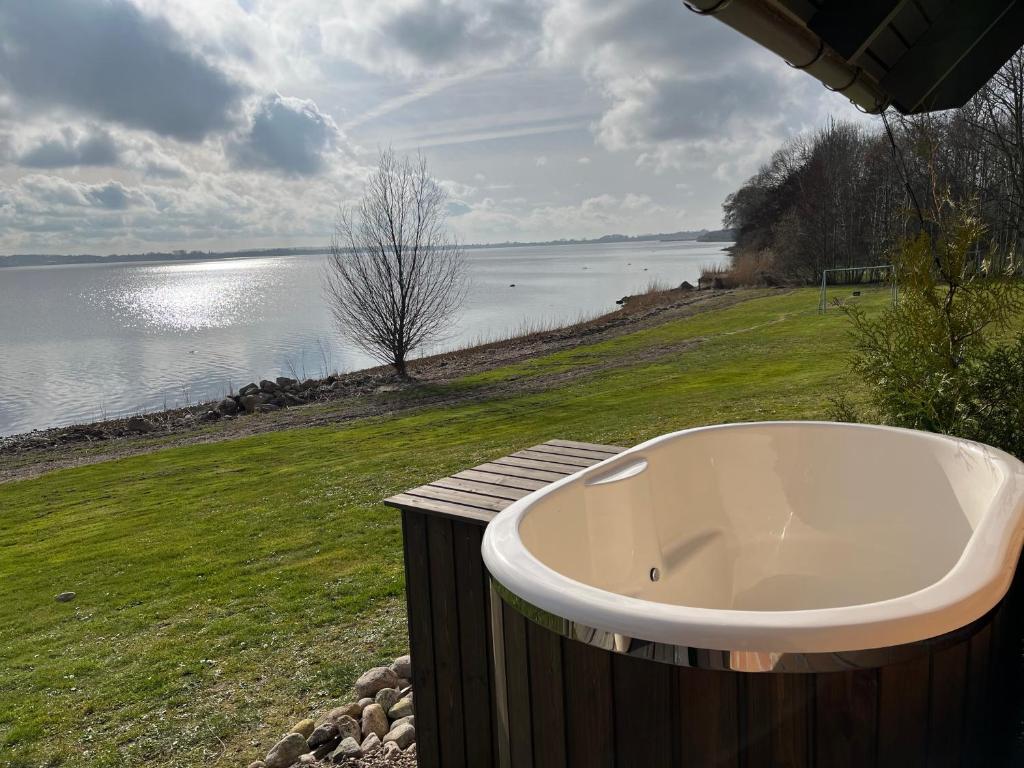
460	497
577	453
481	488
510	470
451	509
506	481
547	466
609	449
570	461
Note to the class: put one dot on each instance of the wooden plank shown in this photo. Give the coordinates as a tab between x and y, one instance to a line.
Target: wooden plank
577	453
846	706
510	470
588	706
435	493
756	694
421	636
610	449
793	710
444	605
977	725
517	677
569	461
410	503
709	717
903	714
481	489
505	481
547	466
546	697
948	696
643	712
474	643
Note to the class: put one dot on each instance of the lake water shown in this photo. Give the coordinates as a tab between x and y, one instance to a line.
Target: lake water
80	343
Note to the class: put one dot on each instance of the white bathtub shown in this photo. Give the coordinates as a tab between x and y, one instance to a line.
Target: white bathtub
770	538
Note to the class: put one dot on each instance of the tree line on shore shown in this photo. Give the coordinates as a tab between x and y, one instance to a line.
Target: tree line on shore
843	195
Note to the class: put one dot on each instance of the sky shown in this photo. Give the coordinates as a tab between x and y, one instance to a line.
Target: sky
137	125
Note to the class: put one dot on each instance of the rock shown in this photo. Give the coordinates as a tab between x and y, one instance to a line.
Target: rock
375	720
267	408
391	749
411	750
308	759
228	406
686	286
403	735
249	402
249	389
257	764
348	728
410	719
305	727
211	415
363	703
65	597
284	381
402	709
387	698
139	425
349	748
370	744
286	751
291	399
268	386
402	666
321	734
372	680
352	709
326	748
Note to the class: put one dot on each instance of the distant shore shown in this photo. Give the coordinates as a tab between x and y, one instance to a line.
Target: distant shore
53	260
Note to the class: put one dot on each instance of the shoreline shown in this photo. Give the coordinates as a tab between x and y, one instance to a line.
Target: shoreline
339	398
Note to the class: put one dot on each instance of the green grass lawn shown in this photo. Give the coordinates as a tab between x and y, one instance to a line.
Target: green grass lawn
225	590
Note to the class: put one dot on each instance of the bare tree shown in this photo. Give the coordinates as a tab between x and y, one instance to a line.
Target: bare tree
395	277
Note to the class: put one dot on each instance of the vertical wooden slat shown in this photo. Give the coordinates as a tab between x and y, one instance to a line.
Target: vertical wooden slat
588	705
948	695
447	659
777	723
758	716
977	723
421	636
517	681
474	619
709	717
642	712
903	714
846	711
546	697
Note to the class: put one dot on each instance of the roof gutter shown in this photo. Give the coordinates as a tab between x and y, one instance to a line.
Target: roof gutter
798	46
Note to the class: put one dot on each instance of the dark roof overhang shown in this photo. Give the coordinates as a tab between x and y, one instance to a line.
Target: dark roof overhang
915	55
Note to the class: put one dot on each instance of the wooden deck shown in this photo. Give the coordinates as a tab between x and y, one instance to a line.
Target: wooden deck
449	600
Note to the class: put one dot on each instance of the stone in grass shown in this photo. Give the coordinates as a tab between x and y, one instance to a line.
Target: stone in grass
370	744
387	698
348	728
286	751
249	402
401	709
257	764
322	734
305	727
403	735
375	720
351	709
348	748
372	680
65	597
363	703
326	748
402	666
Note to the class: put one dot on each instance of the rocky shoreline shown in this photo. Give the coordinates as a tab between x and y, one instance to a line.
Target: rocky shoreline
377	728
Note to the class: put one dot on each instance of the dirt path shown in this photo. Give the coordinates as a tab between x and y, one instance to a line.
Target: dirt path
373	392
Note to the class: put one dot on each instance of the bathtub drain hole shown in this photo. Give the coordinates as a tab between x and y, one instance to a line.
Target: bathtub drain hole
655	574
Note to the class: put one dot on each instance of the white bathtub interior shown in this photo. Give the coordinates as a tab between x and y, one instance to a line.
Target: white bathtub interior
791	517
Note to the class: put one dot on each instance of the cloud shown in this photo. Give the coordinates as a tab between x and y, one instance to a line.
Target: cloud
288	135
109	60
73	148
47	193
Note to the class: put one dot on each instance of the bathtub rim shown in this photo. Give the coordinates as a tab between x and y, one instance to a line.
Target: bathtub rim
970	590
